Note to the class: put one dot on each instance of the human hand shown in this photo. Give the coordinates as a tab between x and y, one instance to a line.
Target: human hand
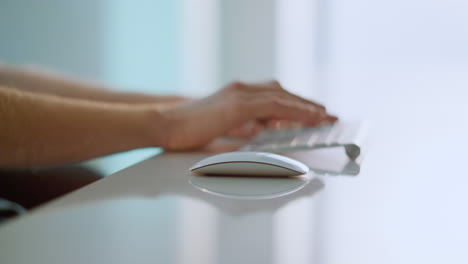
238	109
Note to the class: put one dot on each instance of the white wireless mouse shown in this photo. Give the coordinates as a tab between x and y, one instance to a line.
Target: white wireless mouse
250	164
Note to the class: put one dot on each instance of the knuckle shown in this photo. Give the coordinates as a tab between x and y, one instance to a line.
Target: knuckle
235	86
276	84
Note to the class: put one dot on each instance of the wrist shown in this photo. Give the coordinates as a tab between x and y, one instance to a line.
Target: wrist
157	127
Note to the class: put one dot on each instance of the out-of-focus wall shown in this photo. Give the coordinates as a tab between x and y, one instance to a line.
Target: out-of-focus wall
398	32
188	46
143	44
247	36
64	35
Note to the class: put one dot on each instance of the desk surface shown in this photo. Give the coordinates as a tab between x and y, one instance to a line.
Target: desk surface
407	205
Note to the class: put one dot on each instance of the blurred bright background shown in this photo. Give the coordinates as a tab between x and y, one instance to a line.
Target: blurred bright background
194	47
399	58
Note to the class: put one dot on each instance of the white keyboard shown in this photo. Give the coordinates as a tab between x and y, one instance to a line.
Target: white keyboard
348	135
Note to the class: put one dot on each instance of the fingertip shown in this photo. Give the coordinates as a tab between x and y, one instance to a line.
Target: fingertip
332	118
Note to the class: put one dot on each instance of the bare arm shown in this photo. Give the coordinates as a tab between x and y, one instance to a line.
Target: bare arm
40	81
38	129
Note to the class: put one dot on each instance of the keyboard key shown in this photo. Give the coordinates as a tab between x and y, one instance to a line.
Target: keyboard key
348	135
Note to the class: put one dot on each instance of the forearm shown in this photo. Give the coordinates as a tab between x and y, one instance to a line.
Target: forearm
44	130
49	83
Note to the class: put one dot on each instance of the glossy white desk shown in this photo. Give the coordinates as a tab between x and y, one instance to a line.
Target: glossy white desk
407	205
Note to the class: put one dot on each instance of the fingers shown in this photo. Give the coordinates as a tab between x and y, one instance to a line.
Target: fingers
275	87
278	108
269	101
284	95
246	130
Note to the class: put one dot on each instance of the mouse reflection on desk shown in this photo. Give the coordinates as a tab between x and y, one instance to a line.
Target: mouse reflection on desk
246	163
